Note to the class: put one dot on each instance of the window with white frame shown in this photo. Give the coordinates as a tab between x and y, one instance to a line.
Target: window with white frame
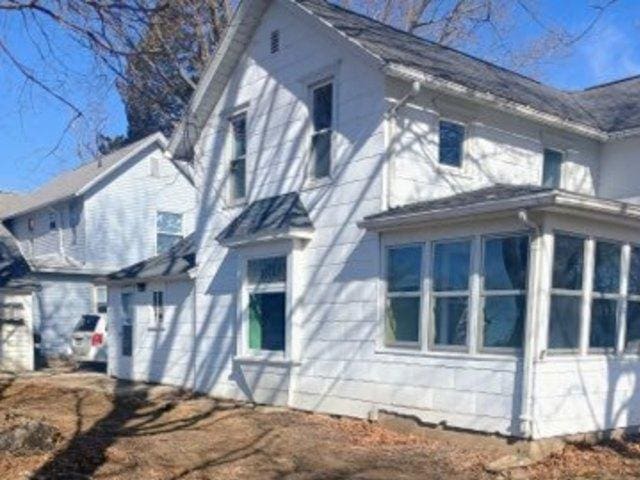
450	293
566	293
238	163
100	294
53	224
632	340
451	141
168	230
404	280
552	168
504	292
266	284
321	138
11	312
158	307
606	296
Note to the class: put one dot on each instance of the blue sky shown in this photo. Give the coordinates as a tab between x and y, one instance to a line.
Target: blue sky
32	123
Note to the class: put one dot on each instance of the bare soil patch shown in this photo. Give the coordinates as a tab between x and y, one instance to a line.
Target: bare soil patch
117	430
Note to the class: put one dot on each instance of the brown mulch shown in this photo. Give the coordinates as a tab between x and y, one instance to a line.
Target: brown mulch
144	432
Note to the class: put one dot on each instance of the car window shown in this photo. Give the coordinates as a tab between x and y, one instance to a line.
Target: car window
88	323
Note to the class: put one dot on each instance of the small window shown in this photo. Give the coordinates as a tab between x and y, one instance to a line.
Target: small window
266	281
322	131
451	142
504	292
101	299
169	230
154	165
31	224
566	293
552	168
403	294
275	41
52	221
450	293
158	308
606	295
632	339
237	172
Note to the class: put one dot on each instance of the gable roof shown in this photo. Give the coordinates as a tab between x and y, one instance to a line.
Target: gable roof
15	272
178	260
599	112
273	216
77	181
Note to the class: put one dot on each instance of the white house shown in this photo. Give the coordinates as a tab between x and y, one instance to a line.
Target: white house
85	223
386	224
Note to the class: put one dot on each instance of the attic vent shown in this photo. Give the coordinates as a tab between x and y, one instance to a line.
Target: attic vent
275	41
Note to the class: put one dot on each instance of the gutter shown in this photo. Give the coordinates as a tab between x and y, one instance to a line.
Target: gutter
491	100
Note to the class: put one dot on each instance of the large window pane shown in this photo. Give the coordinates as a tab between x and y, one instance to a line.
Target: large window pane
266	321
451	141
450	314
603	323
267	271
568	260
606	277
564	322
451	266
633	327
634	272
403	319
404	269
322	117
552	168
239	126
322	107
504	321
321	146
505	263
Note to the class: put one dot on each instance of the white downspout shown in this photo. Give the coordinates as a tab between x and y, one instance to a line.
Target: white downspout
529	353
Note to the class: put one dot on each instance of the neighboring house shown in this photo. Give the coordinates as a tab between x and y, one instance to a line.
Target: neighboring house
17	289
85	223
386	224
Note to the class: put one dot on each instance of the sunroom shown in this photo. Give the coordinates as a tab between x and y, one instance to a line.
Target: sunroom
545	278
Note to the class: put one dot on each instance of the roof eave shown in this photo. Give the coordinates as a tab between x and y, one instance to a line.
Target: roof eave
559	202
489	99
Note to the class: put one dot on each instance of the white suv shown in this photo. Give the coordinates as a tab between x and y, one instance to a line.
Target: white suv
89	339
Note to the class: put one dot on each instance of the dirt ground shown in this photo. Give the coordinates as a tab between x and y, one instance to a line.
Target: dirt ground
116	430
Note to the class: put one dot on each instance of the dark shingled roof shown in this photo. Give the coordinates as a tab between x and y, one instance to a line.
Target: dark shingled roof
14	269
178	260
268	216
610	107
494	193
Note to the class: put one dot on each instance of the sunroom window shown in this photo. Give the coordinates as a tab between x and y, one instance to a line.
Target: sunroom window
450	293
504	292
632	342
606	295
403	294
266	282
566	293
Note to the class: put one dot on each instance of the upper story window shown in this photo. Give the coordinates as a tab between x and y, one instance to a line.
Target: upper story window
403	294
31	224
266	284
168	229
237	173
100	293
322	130
274	41
450	293
451	141
52	221
552	168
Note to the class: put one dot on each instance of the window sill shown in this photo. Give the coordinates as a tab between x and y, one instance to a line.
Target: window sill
233	204
266	360
313	183
451	354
